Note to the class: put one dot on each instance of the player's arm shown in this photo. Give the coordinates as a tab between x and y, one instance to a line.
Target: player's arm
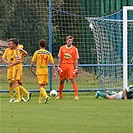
76	59
4	57
33	61
5	60
59	66
24	52
54	71
75	72
60	56
13	64
124	93
51	60
76	64
18	60
31	66
59	61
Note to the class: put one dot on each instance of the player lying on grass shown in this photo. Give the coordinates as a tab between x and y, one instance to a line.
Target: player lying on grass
125	94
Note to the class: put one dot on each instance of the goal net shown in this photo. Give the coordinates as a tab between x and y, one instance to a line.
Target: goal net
114	58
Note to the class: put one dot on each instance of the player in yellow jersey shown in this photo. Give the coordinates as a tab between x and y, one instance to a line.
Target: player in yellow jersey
42	57
7	57
23	53
17	69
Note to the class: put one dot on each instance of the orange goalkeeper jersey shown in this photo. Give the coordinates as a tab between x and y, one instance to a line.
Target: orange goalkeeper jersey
68	55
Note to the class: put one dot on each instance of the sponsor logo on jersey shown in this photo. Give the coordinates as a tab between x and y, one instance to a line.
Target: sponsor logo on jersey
43	52
43	67
11	59
67	56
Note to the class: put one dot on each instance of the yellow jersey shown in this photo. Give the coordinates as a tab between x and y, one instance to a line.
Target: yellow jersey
42	57
8	54
18	55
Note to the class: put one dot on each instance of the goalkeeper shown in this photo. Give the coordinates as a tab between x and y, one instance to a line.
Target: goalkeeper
125	94
68	66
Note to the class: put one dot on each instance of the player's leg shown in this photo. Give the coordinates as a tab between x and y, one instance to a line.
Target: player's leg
16	84
98	93
18	77
21	94
42	81
10	84
43	91
40	97
111	97
11	90
44	94
111	93
75	88
104	95
61	86
17	90
63	76
73	80
22	89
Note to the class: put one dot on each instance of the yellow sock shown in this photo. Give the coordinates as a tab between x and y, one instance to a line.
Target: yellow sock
20	93
43	92
11	92
23	89
40	96
17	90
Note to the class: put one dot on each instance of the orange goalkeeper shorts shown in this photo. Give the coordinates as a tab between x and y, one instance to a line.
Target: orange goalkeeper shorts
67	71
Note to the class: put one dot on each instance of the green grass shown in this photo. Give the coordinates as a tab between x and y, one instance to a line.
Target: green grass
87	115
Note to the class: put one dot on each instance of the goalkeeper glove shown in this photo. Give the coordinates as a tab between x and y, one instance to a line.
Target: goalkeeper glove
59	70
75	72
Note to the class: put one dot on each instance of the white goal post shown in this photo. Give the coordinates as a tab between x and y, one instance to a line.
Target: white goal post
113	35
125	46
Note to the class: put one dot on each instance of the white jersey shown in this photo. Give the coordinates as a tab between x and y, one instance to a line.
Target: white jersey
129	93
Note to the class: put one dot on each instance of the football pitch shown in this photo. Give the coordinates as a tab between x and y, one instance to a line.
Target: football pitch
86	115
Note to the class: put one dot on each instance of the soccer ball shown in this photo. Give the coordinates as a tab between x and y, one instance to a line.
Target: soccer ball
53	93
